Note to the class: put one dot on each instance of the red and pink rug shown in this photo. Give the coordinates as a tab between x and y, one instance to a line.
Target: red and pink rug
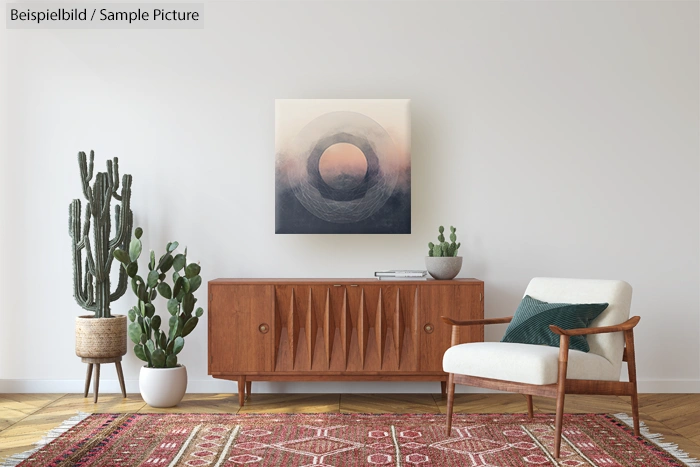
347	440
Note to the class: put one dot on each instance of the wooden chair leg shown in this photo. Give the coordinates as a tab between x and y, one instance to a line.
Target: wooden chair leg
241	390
120	375
635	413
248	388
561	392
559	422
450	402
88	377
632	372
96	385
530	410
454	340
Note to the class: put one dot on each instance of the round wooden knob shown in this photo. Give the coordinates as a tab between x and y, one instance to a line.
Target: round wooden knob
429	328
263	328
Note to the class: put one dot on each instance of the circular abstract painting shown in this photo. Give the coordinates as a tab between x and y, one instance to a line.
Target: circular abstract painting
343	166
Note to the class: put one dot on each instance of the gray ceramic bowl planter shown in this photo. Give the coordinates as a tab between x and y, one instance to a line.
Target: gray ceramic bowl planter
444	267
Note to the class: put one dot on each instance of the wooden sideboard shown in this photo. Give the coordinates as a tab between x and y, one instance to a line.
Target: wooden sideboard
336	329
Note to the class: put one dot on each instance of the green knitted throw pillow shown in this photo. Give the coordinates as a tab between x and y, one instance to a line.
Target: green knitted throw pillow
530	324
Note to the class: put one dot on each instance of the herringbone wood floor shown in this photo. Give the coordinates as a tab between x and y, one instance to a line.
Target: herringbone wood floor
25	418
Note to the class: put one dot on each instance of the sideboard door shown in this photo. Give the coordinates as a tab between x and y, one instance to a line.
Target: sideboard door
470	305
435	301
241	328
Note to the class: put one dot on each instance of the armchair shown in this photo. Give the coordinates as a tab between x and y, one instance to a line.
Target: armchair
549	371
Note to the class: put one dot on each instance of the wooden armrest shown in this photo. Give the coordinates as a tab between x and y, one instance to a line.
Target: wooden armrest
626	326
476	322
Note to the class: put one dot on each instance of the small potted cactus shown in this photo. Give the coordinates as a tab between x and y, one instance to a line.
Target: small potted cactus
162	381
442	261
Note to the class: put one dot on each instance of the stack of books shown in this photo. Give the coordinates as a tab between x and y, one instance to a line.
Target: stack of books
401	274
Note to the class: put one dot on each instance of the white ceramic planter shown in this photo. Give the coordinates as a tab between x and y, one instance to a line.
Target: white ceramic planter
443	268
163	387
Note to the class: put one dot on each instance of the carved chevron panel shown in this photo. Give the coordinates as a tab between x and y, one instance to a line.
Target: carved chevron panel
347	328
399	327
311	328
362	328
329	328
380	329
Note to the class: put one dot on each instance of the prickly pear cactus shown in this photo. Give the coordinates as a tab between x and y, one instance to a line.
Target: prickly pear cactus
91	285
443	248
155	346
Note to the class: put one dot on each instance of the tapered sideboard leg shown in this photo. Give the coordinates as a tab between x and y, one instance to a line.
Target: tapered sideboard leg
443	387
248	388
241	390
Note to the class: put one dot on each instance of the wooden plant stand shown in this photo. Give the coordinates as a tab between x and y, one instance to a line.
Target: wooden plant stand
96	362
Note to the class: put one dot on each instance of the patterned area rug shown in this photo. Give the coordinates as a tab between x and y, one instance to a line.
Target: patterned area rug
346	440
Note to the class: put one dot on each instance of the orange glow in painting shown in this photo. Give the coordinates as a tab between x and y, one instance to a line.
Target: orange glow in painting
343	166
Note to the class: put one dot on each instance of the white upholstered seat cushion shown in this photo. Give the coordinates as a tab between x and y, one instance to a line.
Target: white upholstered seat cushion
524	363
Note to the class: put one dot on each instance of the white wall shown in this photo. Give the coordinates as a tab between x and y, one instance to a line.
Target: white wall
560	137
5	192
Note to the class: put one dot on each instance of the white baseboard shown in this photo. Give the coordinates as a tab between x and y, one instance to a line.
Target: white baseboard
681	386
216	386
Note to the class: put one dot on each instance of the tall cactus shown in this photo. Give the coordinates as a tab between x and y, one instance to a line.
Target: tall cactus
91	287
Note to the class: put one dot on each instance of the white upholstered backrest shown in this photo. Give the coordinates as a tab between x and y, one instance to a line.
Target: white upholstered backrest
618	294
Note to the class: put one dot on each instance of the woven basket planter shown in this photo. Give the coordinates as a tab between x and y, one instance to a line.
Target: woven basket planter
100	337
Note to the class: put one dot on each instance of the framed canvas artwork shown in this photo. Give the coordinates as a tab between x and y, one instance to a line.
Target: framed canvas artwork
342	166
